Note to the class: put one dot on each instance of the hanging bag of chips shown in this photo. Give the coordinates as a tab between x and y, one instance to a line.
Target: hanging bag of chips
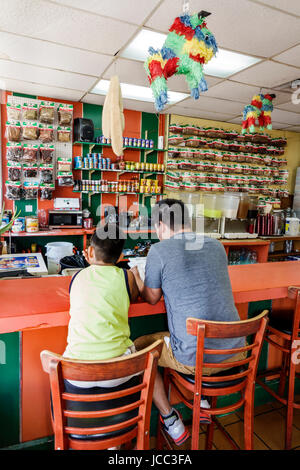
13	112
14	171
13	190
46	174
47	191
65	178
13	131
30	171
47	153
46	133
64	134
31	189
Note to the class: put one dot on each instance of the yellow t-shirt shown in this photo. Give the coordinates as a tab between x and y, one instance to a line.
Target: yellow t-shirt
99	303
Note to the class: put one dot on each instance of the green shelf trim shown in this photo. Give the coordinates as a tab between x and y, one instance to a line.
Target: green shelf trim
125	148
121	193
121	171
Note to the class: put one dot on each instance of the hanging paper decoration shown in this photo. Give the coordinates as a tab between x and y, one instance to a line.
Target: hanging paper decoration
188	46
259	111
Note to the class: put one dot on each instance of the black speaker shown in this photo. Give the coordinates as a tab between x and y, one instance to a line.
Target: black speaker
83	130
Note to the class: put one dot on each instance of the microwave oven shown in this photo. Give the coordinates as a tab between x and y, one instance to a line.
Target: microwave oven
65	219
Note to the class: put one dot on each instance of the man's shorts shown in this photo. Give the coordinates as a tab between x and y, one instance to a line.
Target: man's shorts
167	358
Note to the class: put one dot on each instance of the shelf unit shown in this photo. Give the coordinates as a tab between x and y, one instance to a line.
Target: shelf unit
127	147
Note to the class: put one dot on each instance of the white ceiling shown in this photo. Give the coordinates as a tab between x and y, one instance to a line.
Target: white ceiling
62	48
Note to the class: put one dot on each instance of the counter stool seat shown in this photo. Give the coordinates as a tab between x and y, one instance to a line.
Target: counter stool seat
282	321
224	384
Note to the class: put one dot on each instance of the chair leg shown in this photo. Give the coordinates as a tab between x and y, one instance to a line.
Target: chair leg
249	420
210	428
282	380
195	428
159	438
290	407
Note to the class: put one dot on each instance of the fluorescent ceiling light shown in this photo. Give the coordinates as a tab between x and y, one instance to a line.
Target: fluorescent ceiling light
226	63
135	92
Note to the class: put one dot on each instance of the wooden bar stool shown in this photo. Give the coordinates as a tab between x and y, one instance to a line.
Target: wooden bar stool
239	378
283	334
102	420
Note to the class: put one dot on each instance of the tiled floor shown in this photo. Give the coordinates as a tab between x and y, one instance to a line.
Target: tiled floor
269	430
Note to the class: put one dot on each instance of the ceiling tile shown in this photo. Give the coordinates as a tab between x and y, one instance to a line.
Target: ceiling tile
37	52
285	117
197	113
213	105
267	74
179	83
19	86
291	56
229	25
32	73
92	98
294	108
128	71
291	6
275	125
56	23
293	129
132	11
139	106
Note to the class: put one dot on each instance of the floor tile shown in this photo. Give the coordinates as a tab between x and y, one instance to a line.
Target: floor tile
229	419
270	427
236	431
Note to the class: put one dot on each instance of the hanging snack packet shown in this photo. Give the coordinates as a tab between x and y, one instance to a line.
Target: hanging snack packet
13	190
47	153
30	153
31	190
65	114
47	112
64	164
14	151
46	172
30	130
47	191
64	134
13	131
46	133
65	178
14	171
30	111
30	171
13	111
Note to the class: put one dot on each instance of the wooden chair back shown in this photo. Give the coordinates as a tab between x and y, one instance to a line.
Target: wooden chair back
254	327
60	369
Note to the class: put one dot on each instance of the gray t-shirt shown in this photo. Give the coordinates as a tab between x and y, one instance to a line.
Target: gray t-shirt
195	283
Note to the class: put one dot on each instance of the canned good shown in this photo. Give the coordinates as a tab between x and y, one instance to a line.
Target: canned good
18	225
126	141
143	143
158	189
137	166
151	167
139	142
134	142
32	224
154	166
103	140
108	140
142	189
147	166
147	189
147	143
151	144
142	166
132	166
130	141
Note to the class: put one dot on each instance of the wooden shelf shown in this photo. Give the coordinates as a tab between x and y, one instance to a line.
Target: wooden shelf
121	171
127	147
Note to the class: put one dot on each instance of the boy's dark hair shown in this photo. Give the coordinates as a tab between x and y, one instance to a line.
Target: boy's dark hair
108	243
173	213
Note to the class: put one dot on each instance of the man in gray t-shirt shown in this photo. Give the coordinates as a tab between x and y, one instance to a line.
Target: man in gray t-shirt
192	275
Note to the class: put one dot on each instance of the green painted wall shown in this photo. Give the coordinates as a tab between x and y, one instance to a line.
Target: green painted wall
9	388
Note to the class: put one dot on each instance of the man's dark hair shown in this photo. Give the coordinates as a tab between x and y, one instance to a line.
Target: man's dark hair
108	243
173	213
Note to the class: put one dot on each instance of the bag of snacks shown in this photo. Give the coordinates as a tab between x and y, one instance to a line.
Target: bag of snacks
13	131
65	114
46	133
30	111
47	191
172	176
14	151
30	153
31	190
30	130
175	139
64	134
175	128
47	112
47	153
30	171
13	190
65	178
13	112
14	171
46	174
64	164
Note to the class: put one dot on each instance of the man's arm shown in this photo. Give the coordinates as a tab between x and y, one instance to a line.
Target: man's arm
150	295
134	291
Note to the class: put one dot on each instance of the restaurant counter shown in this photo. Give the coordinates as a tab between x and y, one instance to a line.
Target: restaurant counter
34	316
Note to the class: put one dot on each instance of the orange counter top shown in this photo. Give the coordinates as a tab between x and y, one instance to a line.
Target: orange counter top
44	302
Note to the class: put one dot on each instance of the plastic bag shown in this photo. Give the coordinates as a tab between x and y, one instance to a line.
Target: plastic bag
64	164
31	190
64	134
46	172
30	131
13	190
30	111
13	111
47	191
47	112
30	171
47	153
30	153
14	151
65	178
65	114
13	131
14	171
46	133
